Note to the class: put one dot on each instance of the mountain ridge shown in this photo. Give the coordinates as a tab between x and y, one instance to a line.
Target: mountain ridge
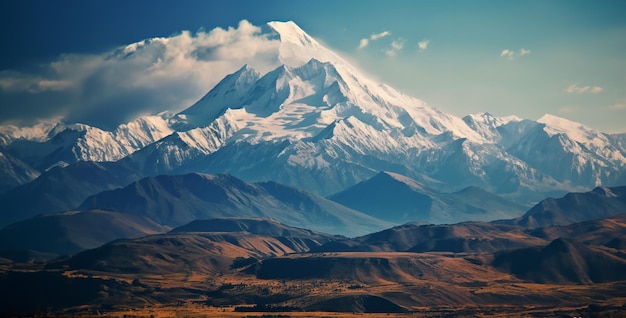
174	200
317	116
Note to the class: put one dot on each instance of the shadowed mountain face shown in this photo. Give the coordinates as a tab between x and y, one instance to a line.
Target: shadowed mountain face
562	261
399	199
602	202
61	189
74	231
177	200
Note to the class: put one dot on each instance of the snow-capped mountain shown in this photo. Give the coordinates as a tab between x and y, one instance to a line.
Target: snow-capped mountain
318	123
63	144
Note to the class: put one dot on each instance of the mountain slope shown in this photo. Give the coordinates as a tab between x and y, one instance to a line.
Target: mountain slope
600	203
60	189
400	199
176	200
260	226
562	261
74	231
14	172
609	232
205	251
570	151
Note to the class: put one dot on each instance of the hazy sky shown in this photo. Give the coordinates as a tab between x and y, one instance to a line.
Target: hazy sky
70	58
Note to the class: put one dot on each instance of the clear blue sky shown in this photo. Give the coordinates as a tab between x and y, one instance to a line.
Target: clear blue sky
527	58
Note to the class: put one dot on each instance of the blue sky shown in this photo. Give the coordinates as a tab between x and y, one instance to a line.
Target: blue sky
527	58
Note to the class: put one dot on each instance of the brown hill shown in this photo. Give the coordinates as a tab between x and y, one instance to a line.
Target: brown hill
562	261
199	251
593	232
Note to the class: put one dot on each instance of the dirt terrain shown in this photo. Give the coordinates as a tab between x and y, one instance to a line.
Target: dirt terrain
266	274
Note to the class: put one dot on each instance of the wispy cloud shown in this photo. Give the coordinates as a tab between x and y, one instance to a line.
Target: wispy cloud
423	44
396	45
381	35
20	82
145	77
376	36
510	54
620	105
575	89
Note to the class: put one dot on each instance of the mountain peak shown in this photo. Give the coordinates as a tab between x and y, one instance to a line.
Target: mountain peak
297	47
402	179
228	93
290	32
561	125
576	131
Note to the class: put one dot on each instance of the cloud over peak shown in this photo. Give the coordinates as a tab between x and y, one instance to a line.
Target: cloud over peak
148	76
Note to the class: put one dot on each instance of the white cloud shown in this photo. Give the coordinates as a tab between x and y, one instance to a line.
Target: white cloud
575	89
596	90
380	35
363	43
396	45
145	77
423	44
507	53
376	36
510	54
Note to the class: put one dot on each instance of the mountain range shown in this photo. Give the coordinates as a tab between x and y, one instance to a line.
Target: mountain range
317	123
229	201
177	200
